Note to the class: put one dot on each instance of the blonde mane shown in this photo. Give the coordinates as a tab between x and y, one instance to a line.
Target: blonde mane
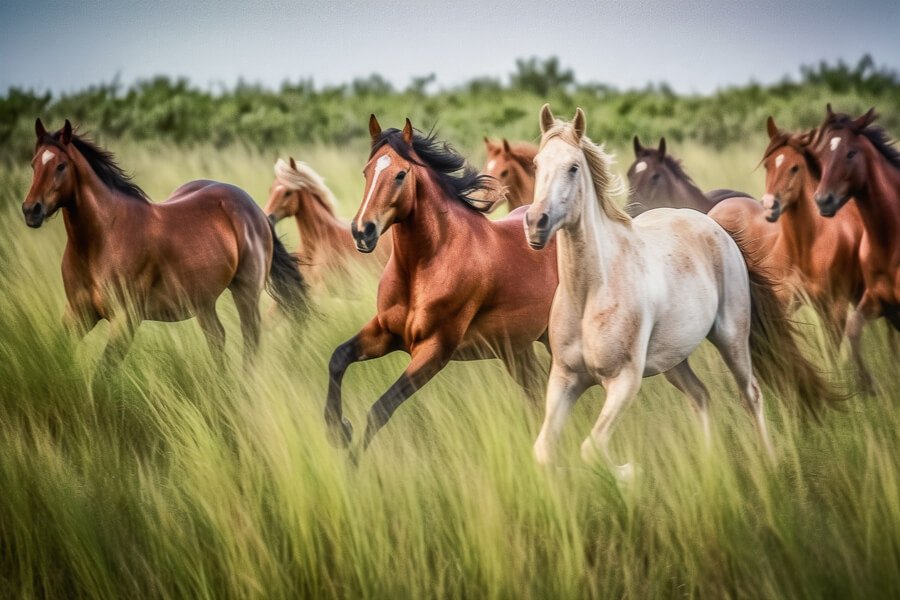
606	183
305	179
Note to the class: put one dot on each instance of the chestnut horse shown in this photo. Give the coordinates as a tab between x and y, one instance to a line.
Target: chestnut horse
657	180
128	260
326	246
824	252
637	297
512	165
458	286
858	161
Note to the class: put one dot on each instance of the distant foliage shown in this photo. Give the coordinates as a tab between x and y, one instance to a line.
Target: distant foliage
175	111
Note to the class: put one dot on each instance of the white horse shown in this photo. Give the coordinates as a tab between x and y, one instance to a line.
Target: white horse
635	298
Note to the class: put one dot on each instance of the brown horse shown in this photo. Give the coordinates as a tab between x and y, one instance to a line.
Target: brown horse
453	288
326	245
824	252
656	180
513	166
129	260
858	161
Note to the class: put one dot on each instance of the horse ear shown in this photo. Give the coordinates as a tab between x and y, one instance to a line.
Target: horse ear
828	112
487	142
39	129
374	127
293	163
408	132
547	119
771	128
866	119
662	146
506	146
638	147
579	122
66	133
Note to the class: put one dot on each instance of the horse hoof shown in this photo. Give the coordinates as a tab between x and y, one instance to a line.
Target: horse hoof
341	435
625	473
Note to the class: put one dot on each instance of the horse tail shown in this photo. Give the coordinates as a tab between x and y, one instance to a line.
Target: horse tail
285	283
774	349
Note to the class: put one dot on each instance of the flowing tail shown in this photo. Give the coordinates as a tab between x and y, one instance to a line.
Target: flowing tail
285	283
776	355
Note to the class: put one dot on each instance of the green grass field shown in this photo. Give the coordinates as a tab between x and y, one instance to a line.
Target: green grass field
173	479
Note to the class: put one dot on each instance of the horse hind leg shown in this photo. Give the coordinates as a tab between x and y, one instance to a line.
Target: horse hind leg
683	377
620	391
853	331
735	351
214	332
246	300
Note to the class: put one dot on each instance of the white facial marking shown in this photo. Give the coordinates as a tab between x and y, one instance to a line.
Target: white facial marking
641	166
380	165
835	142
491	164
778	160
46	157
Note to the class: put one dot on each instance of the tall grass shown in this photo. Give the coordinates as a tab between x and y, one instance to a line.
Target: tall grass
174	479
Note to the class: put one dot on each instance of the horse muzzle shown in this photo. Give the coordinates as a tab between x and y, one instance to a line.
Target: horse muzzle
829	204
537	234
367	239
772	206
34	214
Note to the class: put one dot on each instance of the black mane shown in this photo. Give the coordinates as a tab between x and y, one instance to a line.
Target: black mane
441	158
103	163
875	134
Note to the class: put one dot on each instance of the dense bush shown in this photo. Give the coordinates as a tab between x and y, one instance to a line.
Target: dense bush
173	110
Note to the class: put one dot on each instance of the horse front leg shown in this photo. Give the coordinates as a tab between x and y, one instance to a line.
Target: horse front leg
620	391
428	358
121	334
564	388
372	341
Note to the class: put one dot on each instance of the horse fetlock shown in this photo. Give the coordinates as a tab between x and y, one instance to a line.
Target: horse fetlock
340	433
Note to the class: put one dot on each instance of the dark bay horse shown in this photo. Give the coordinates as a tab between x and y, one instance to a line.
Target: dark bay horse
129	260
326	245
453	288
859	161
656	179
825	253
513	166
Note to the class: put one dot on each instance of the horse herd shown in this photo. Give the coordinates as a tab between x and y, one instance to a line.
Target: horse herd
615	295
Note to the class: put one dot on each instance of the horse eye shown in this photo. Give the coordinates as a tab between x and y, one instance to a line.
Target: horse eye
401	175
287	193
655	176
60	167
504	173
794	169
573	169
851	154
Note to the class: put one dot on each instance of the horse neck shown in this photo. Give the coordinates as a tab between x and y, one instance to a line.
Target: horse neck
800	227
688	195
95	206
587	248
429	229
319	227
879	200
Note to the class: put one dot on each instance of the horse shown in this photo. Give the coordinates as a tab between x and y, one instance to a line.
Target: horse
656	179
859	161
824	252
128	260
512	165
453	288
326	245
637	296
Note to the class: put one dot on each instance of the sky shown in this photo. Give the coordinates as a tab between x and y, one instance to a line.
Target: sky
693	46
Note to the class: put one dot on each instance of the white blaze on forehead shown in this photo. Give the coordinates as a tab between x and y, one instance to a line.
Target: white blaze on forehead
46	157
778	160
491	164
641	166
380	165
835	142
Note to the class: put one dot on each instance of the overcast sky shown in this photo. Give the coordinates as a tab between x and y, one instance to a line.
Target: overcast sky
694	46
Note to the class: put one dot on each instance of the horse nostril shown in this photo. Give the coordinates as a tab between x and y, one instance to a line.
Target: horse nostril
542	222
369	229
